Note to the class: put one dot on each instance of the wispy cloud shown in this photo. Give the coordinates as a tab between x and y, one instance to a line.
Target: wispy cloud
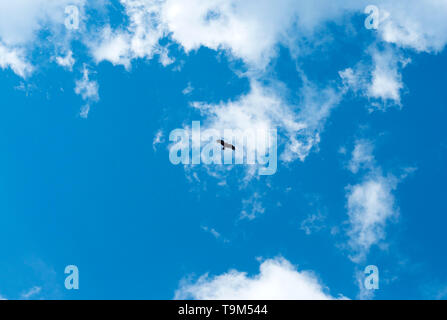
253	207
370	203
88	90
313	223
363	294
66	61
31	292
158	139
380	80
362	156
189	88
14	58
214	233
19	37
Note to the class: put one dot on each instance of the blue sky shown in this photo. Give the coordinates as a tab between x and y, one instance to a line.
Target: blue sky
86	178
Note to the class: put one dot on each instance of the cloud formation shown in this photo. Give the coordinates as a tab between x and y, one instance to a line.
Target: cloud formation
19	36
277	279
15	59
380	81
362	156
88	90
420	25
371	204
30	293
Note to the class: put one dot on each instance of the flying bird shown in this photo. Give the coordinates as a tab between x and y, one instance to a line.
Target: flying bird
226	145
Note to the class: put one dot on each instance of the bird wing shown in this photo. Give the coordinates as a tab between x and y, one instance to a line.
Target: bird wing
229	145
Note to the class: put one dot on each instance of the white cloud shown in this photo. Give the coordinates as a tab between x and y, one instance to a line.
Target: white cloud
215	234
20	23
417	24
20	20
386	81
381	81
363	294
370	205
113	47
316	106
211	231
85	109
278	279
264	108
158	139
15	59
259	110
252	207
248	29
362	156
265	112
139	40
31	292
67	61
420	25
88	90
189	88
313	223
252	29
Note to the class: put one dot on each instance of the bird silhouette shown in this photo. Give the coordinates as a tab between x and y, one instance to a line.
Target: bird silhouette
226	145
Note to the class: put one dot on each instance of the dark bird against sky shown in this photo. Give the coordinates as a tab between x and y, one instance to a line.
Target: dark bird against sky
226	145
